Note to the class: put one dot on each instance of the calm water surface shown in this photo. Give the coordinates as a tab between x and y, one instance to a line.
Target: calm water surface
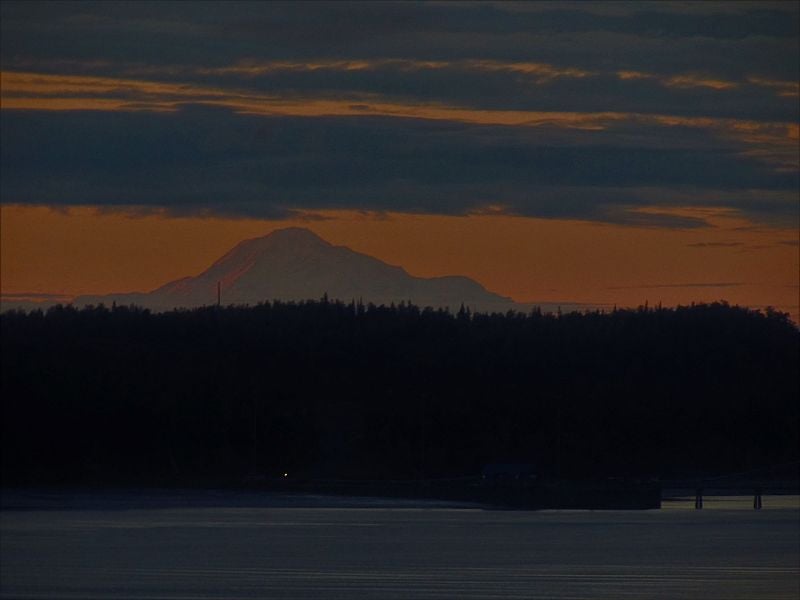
234	547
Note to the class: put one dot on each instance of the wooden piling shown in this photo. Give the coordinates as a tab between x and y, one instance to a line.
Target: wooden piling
698	498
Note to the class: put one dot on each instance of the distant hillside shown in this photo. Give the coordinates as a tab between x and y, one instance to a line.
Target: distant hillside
296	264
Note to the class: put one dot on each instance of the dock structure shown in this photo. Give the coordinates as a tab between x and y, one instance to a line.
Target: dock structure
771	480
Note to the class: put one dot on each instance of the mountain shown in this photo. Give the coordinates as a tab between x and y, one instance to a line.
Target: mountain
296	264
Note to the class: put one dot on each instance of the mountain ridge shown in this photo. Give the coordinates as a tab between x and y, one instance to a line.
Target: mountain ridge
295	264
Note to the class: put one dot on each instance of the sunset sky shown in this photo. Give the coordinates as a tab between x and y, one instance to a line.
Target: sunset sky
592	153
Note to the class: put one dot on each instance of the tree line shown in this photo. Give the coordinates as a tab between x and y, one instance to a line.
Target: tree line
325	389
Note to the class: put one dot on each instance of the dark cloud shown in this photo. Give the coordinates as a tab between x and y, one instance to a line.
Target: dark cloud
723	284
32	295
715	245
212	160
336	20
642	36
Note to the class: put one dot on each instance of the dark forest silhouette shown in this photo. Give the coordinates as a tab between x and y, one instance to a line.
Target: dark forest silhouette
331	390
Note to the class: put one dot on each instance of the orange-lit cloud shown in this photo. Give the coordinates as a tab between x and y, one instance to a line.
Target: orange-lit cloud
690	81
686	80
540	71
771	142
787	89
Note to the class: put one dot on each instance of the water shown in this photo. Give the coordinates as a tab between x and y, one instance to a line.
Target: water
240	547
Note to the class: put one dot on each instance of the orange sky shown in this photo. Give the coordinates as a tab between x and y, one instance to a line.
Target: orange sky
86	251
